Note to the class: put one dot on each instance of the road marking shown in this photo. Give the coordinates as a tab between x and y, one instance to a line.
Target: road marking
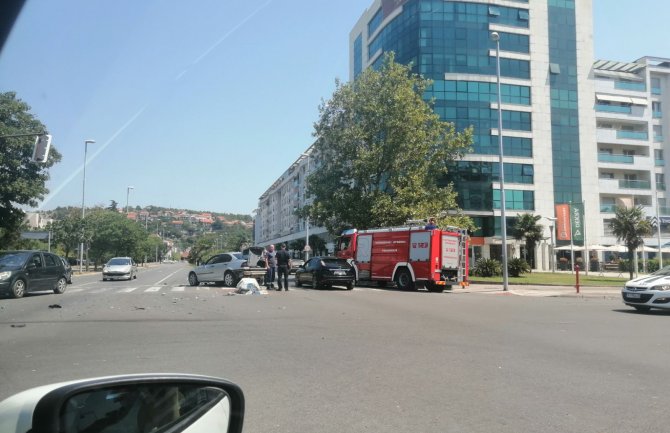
153	289
128	290
75	290
101	290
203	288
178	289
179	270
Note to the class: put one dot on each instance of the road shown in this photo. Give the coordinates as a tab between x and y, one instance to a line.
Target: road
366	360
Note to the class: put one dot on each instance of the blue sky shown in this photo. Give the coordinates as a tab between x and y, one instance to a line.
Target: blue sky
202	105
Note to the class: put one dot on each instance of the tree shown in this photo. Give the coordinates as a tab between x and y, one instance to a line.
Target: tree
630	226
112	235
380	152
66	232
528	229
22	181
113	205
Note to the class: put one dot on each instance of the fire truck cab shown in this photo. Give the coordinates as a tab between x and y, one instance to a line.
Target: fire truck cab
410	256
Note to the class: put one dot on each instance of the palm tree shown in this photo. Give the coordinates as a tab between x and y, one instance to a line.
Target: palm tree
630	225
527	228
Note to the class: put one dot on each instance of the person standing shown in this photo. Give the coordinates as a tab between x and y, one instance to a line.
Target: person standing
431	224
270	257
283	267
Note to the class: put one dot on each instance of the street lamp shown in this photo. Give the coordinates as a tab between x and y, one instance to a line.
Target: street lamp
658	232
495	37
552	257
83	205
128	194
307	247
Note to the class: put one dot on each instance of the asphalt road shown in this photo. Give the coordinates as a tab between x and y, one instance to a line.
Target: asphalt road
366	360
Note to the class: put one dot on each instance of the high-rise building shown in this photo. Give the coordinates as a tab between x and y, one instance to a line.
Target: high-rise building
546	59
629	106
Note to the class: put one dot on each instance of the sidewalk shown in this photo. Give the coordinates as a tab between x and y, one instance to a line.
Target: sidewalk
543	291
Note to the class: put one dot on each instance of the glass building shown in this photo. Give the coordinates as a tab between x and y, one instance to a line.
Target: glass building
546	59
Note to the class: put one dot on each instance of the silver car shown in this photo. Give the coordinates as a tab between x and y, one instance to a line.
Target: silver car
226	268
651	291
119	268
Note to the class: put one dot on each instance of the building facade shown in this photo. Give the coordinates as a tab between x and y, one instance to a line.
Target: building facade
547	98
629	104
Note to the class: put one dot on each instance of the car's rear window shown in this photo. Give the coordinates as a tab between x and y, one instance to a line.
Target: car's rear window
239	256
118	262
335	263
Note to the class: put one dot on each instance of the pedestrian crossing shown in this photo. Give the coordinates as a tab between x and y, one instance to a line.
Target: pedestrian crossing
148	289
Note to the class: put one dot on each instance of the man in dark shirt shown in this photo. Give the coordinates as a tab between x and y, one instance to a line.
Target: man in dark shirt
283	266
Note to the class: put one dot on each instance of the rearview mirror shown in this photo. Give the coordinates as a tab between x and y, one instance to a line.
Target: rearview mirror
168	403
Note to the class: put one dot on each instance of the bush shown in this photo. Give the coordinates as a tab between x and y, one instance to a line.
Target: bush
652	265
487	268
516	267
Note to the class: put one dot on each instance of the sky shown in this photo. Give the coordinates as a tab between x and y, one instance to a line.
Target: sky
203	105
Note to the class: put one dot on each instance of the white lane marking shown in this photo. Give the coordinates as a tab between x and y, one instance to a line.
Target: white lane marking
153	289
101	290
178	289
128	290
178	270
75	290
203	288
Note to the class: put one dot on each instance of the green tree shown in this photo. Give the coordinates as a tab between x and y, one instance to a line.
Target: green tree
112	234
22	181
113	205
380	152
527	229
66	232
317	244
630	226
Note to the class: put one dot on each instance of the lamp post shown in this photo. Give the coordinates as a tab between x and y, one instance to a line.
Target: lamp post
127	195
658	233
495	37
83	205
552	257
307	247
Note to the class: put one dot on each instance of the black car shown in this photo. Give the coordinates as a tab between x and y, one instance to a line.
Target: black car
326	272
68	270
28	271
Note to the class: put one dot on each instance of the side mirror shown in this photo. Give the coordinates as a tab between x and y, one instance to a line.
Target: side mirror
167	403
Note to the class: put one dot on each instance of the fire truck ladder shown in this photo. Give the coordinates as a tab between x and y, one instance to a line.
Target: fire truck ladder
462	257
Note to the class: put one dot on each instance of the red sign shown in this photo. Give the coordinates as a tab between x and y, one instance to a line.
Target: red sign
563	222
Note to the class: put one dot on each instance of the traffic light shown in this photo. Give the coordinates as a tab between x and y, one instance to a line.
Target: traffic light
42	146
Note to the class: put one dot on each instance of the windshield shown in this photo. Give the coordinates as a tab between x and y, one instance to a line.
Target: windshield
12	259
141	138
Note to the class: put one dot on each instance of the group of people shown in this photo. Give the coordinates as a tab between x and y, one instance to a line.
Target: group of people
278	265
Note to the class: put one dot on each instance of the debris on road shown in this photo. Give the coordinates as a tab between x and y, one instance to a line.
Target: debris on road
249	286
55	306
18	325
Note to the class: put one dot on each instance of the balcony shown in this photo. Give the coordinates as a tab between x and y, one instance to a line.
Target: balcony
632	135
655	90
613	108
657	114
634	184
607	208
660	186
659	162
617	159
658	138
625	85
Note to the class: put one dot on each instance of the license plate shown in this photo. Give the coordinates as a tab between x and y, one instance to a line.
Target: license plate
634	296
340	273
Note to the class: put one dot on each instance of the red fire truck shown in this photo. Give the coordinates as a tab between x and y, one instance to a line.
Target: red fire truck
411	256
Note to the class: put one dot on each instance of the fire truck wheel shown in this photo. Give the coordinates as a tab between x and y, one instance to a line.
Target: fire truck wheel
432	287
403	280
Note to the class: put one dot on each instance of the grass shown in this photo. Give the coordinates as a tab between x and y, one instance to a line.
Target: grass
556	279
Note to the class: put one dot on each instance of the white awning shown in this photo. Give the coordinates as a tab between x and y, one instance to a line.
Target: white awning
639	101
614	98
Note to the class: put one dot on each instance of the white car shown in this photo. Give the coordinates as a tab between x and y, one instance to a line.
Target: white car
651	291
119	268
227	269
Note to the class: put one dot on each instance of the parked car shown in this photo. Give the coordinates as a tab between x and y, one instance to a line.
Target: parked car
119	268
226	269
68	269
295	264
27	271
650	291
326	272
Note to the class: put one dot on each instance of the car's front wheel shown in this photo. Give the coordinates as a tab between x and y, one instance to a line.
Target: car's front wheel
61	285
193	279
350	285
229	279
18	288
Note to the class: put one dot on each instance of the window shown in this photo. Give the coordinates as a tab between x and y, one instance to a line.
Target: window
554	68
606	175
375	22
515	199
494	11
655	86
49	260
523	15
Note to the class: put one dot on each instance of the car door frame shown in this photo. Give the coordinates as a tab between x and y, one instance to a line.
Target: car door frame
36	276
52	273
222	266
